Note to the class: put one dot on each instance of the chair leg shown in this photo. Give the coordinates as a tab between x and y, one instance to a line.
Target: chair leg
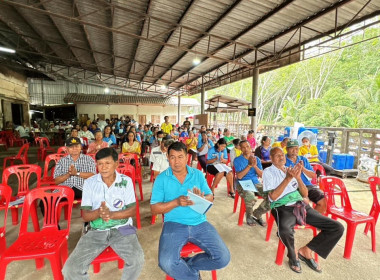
138	220
140	189
367	225
241	213
169	278
56	267
236	201
153	221
39	263
373	235
280	252
3	268
350	236
96	267
270	222
213	275
14	212
120	263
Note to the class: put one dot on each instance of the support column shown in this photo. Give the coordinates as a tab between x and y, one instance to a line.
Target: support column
255	95
202	98
179	109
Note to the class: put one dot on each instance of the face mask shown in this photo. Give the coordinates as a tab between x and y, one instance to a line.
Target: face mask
208	135
159	139
194	131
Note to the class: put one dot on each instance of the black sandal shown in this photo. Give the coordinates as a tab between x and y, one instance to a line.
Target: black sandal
296	264
310	263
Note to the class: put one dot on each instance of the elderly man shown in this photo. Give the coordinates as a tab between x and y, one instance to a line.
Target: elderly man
314	193
287	194
182	223
73	169
109	204
248	167
161	162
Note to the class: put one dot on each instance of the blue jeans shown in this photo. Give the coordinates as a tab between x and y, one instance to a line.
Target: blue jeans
174	236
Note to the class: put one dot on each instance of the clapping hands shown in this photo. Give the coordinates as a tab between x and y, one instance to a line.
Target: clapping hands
252	160
294	172
104	212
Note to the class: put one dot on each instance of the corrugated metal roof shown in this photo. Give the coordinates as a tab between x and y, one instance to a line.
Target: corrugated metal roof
149	45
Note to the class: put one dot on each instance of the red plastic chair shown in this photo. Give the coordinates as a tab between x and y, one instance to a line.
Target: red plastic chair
5	196
126	158
108	255
190	249
23	173
375	209
346	213
22	155
243	209
281	247
129	170
317	167
44	148
210	179
16	140
50	242
62	150
3	140
49	179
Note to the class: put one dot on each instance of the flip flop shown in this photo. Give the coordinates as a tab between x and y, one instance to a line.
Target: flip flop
310	263
296	264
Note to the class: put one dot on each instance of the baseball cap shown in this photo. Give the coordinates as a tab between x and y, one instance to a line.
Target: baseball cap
72	141
292	143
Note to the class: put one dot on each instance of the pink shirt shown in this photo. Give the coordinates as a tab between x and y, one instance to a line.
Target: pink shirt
252	142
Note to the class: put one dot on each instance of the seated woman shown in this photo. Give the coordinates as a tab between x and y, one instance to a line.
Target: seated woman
263	152
98	144
311	153
191	144
131	146
109	137
217	159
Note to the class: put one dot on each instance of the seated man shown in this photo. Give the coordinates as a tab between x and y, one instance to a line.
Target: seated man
108	204
314	193
287	194
248	167
183	224
74	168
161	162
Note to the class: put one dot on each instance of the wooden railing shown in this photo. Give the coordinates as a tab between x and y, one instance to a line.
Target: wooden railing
355	141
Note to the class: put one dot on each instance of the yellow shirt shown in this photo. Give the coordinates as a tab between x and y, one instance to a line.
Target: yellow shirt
193	146
135	148
278	144
238	152
313	151
166	128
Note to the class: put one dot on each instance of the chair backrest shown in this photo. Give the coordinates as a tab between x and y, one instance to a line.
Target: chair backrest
128	170
62	150
85	141
317	167
373	183
44	143
23	173
330	185
23	151
5	197
51	198
48	159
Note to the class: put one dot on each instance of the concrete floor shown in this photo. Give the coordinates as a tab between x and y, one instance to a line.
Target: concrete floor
251	256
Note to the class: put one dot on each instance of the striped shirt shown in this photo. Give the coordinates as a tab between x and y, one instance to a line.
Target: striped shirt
119	196
83	164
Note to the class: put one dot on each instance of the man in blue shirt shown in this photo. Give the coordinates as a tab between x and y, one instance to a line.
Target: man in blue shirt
248	167
314	193
183	224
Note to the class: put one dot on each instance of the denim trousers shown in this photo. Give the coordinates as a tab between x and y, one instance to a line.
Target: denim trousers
174	236
93	243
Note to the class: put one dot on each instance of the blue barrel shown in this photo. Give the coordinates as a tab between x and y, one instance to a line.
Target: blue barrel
339	161
323	156
300	130
320	145
350	159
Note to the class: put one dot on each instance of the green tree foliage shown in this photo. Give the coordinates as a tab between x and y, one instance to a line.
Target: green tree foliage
336	89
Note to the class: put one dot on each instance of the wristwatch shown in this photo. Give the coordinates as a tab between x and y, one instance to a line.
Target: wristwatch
78	173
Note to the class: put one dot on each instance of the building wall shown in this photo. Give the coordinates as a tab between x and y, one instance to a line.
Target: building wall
130	110
13	89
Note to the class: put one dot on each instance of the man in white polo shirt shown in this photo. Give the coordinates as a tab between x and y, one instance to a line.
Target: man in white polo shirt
161	162
108	203
289	204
